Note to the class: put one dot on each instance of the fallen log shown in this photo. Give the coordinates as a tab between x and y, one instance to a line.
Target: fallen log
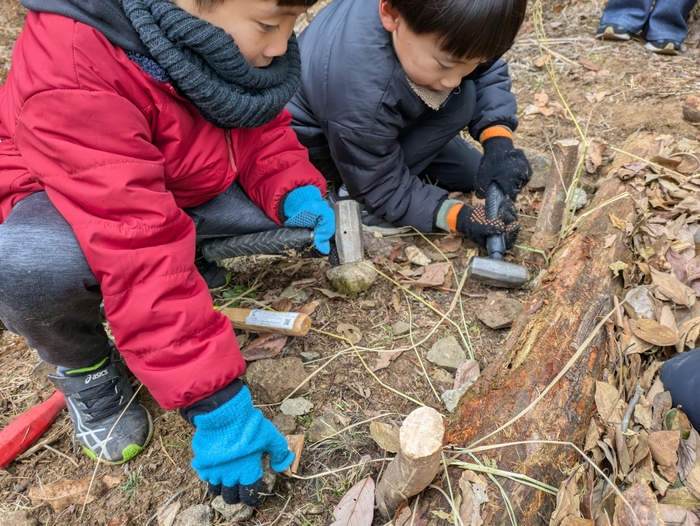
571	300
561	175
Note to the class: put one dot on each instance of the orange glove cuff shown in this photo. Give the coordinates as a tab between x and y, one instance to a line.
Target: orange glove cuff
495	131
451	218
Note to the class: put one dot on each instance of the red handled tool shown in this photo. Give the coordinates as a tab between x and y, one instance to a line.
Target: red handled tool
26	429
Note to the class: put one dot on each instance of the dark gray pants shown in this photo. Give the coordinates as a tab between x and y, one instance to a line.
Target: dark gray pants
453	167
49	295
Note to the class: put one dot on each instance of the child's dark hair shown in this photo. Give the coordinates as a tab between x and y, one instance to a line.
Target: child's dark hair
207	5
472	29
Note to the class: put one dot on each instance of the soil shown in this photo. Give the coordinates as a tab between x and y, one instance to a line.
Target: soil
630	89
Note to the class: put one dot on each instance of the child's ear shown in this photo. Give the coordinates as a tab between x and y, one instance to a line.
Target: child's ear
389	15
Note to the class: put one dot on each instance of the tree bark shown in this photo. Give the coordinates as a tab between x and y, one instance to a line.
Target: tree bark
570	301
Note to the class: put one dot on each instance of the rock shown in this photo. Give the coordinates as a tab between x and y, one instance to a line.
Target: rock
18	518
234	513
382	247
416	256
285	424
352	278
368	304
452	396
385	435
272	380
297	296
197	515
541	164
309	356
400	328
322	427
691	109
446	354
579	199
442	377
296	406
499	311
640	303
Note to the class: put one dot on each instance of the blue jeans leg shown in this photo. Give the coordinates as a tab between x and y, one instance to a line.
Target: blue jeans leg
667	20
633	15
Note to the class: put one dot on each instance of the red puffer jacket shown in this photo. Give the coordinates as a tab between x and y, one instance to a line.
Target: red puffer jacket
120	155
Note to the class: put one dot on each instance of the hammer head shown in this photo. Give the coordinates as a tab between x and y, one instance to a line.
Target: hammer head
497	273
348	231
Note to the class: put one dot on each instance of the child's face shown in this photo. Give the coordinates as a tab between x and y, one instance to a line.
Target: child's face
421	56
260	28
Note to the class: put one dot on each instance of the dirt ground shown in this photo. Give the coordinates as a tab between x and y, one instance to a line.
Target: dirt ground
613	89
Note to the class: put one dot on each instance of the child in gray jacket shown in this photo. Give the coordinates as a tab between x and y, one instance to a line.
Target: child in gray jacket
387	87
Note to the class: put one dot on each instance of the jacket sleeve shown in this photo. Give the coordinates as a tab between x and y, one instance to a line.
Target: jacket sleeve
373	170
93	154
495	104
275	163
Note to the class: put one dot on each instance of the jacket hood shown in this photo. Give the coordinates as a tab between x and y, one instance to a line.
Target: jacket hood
107	16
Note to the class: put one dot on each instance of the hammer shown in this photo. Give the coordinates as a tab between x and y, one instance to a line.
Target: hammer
346	247
493	270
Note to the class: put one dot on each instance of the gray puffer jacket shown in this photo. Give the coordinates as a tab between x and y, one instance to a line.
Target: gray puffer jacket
356	107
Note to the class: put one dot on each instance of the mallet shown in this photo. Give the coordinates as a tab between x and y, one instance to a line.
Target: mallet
493	270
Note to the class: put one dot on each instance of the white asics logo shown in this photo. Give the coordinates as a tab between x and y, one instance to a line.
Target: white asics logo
95	376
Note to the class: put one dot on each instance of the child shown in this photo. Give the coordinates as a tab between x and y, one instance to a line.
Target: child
663	24
388	85
116	116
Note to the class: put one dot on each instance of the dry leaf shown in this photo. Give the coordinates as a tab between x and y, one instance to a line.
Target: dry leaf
384	359
588	64
330	293
606	398
609	240
617	222
309	308
116	521
448	244
618	267
653	332
168	513
473	496
670	287
385	435
468	371
281	305
678	516
663	446
265	346
62	494
689	333
356	508
594	157
350	332
644	508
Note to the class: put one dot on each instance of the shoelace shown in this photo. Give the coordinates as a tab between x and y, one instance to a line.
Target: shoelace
103	401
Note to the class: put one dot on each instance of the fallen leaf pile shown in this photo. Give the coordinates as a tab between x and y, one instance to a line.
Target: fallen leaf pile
646	448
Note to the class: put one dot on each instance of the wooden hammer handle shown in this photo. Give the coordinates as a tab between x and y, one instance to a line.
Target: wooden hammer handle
290	323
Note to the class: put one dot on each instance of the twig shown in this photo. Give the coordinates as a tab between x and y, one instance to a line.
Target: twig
170	499
61	454
165	451
630	408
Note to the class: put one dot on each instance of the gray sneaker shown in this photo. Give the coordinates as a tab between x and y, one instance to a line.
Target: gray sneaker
96	397
370	222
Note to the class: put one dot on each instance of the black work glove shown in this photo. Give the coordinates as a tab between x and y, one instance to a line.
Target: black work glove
503	165
472	222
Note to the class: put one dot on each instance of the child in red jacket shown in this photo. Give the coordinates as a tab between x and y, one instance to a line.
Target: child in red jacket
127	128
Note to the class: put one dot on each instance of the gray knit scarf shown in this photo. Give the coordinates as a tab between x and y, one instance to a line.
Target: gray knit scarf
206	66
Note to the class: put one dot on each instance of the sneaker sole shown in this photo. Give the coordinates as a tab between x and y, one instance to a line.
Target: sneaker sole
669	50
129	452
609	34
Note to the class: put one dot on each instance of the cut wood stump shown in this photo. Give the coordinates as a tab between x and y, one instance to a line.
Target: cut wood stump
571	300
416	463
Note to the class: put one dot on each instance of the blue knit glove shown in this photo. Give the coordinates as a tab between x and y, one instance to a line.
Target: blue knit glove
305	208
228	446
